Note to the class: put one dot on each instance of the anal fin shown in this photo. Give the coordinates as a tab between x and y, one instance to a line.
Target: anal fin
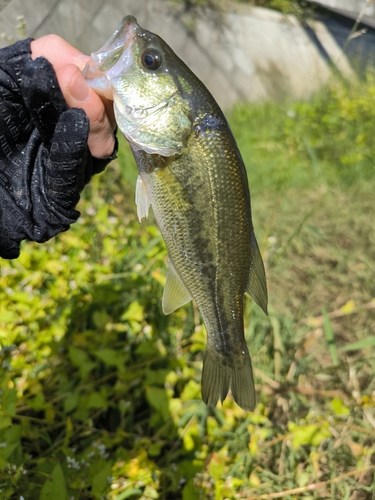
175	294
257	285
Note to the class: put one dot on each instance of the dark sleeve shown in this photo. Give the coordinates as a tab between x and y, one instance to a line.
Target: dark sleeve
44	158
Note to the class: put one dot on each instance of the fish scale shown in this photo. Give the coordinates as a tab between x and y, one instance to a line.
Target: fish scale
192	174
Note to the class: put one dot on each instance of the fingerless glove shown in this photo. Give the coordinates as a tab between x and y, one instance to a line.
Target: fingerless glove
44	158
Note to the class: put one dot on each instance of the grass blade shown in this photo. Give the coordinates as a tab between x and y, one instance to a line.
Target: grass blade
330	338
361	344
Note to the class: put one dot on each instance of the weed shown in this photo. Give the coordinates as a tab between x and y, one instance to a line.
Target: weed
100	392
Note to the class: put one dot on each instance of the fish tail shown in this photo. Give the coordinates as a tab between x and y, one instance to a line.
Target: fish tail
220	374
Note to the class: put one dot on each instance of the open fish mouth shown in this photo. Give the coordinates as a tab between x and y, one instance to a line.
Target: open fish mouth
120	42
114	58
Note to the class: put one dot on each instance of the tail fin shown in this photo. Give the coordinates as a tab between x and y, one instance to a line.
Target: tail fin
220	374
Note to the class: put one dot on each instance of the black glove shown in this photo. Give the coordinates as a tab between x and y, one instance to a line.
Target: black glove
44	158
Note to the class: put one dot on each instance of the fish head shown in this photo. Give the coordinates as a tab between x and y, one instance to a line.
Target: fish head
141	74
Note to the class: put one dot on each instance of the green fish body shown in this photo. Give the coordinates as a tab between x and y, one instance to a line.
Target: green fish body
192	174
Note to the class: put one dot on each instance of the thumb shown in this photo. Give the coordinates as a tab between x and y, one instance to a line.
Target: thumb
78	94
73	85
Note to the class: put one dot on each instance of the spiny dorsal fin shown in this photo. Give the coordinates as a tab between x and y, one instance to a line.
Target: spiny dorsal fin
257	285
175	294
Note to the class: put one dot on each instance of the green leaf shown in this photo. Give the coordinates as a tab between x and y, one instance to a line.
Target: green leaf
10	401
338	407
5	422
134	312
150	493
77	356
216	468
190	437
71	402
96	400
101	318
8	316
81	360
55	486
128	493
156	377
38	402
158	398
147	349
155	448
190	492
7	451
100	482
111	357
191	391
12	434
361	344
310	434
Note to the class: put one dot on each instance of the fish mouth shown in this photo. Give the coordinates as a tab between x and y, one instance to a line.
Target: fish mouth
115	57
119	42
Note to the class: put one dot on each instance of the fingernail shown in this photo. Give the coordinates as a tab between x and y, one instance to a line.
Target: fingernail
79	89
81	61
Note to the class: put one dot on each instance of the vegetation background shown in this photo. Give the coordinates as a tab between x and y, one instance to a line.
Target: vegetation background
100	392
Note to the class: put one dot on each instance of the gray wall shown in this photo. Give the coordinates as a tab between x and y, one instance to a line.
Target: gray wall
353	6
248	54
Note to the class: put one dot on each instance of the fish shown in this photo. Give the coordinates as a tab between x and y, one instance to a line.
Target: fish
192	175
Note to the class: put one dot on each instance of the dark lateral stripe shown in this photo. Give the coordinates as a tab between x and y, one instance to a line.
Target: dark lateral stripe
208	122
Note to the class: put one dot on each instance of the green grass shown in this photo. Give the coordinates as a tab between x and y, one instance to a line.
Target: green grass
100	392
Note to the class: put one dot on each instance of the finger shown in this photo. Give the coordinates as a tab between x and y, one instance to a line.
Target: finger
42	96
9	249
58	51
68	165
78	94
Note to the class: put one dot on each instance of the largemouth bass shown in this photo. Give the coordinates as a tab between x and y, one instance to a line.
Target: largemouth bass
192	174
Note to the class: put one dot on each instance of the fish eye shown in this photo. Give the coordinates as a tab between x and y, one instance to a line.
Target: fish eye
151	59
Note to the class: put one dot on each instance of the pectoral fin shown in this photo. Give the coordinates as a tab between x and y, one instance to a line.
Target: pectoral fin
142	199
257	285
175	294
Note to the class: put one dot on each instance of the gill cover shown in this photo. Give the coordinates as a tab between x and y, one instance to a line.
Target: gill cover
132	69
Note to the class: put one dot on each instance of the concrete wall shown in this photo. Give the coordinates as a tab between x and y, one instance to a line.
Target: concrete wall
249	54
354	6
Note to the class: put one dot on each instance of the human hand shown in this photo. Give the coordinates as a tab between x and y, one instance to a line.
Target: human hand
68	63
45	160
